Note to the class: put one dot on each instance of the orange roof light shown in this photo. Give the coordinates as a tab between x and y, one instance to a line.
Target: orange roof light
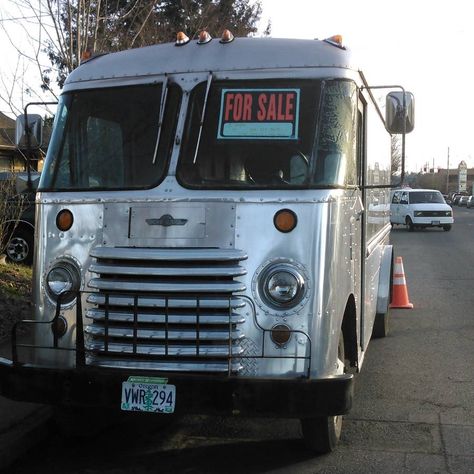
204	37
181	39
86	55
227	37
335	40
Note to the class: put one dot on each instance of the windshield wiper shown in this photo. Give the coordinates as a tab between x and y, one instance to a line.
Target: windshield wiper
208	87
164	94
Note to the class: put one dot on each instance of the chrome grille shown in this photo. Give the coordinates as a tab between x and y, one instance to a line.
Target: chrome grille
166	309
433	213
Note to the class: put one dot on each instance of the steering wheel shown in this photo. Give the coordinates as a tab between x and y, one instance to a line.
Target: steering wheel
299	167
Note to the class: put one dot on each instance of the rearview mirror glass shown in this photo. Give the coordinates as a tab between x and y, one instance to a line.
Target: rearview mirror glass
394	117
34	138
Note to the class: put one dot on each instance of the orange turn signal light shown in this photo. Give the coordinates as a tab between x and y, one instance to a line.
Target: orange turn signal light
64	220
285	220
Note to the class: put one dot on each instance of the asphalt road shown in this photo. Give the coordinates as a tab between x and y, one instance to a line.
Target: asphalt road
414	399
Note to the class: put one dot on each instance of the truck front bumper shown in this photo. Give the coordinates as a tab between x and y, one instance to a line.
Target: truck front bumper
197	394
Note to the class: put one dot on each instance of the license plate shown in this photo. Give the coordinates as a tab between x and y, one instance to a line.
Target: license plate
434	222
148	395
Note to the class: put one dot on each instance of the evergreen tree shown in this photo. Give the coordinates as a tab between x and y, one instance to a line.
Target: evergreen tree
105	26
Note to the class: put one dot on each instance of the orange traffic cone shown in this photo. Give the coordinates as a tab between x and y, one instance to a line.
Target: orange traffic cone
400	292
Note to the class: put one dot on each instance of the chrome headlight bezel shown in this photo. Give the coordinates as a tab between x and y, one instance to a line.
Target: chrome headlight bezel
63	278
267	299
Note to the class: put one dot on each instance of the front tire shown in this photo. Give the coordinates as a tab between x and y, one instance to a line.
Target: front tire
447	227
321	434
410	225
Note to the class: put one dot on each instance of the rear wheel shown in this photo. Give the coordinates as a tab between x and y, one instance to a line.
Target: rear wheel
321	434
447	227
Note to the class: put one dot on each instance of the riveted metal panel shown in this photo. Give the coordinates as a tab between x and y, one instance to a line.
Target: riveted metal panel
169	224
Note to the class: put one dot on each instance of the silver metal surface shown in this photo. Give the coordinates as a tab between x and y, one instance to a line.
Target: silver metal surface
243	54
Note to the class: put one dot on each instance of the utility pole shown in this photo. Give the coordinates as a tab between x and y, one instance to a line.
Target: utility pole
447	175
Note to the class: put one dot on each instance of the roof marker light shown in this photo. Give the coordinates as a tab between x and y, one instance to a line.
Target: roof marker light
181	39
204	37
335	40
227	37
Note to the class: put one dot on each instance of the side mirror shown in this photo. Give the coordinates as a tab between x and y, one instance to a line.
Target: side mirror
394	116
29	134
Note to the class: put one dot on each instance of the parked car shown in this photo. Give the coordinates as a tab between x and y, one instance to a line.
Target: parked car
420	208
456	199
19	235
463	201
470	202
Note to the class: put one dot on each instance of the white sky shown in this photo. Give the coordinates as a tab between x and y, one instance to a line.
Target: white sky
425	46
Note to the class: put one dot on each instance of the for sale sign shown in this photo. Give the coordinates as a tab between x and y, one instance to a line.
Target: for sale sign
249	114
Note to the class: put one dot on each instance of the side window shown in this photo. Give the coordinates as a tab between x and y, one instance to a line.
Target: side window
404	198
396	198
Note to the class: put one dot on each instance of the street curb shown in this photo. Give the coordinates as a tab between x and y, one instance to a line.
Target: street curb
23	433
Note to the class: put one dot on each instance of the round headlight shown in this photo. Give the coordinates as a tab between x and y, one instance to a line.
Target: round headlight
282	286
63	279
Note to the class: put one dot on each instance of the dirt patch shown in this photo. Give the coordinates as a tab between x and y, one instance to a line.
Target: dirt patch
15	296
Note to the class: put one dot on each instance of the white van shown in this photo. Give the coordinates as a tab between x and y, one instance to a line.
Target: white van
420	208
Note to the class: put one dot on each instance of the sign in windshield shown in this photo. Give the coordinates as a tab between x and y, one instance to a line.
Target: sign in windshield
250	114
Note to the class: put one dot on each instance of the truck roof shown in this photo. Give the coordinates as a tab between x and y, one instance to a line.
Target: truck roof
240	54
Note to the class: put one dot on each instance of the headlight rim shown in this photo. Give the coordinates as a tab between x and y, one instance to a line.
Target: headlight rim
73	270
257	291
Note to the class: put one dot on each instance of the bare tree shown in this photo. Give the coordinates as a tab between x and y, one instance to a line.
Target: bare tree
396	153
60	34
11	207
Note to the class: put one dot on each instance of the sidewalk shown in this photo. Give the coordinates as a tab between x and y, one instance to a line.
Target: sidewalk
21	427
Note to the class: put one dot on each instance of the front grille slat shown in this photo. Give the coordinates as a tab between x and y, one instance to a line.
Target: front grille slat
156	301
161	350
156	271
166	309
157	318
171	335
164	287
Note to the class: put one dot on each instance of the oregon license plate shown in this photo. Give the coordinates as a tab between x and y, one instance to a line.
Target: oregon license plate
434	222
148	394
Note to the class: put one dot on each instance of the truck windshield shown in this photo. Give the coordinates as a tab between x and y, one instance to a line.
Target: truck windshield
106	139
426	197
270	134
